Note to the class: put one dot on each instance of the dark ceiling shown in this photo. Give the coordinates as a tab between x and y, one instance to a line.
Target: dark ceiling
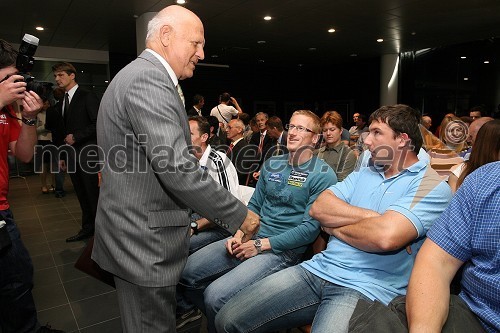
297	34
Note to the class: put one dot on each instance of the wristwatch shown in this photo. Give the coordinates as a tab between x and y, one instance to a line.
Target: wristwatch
194	226
258	245
29	122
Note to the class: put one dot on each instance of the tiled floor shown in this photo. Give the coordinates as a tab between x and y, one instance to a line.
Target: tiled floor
66	298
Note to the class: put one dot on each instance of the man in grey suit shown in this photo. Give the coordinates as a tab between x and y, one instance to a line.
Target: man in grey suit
150	183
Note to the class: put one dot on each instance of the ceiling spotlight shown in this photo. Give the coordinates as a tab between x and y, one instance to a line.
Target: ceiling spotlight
181	2
261	42
135	16
463	57
354	55
39	28
331	30
312	49
261	61
413	33
486	61
466	79
267	18
106	81
215	56
380	40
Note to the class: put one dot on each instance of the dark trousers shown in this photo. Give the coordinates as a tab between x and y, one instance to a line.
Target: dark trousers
17	307
86	186
374	317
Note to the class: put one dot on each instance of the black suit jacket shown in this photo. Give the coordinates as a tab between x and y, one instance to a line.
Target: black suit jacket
267	144
245	159
80	120
192	112
273	151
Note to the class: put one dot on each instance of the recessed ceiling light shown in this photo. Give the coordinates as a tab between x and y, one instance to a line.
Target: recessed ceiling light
380	40
463	57
267	18
215	56
135	16
331	30
354	55
312	49
261	60
81	71
300	65
261	42
466	79
39	28
106	81
413	33
486	61
181	2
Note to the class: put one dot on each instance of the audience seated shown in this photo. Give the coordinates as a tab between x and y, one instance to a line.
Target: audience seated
473	129
218	166
430	141
278	134
334	152
215	141
288	186
243	155
486	149
377	218
359	127
453	133
465	236
262	140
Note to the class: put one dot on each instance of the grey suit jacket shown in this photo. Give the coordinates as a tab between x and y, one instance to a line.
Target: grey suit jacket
150	183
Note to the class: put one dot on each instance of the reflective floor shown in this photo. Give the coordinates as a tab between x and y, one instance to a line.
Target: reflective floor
65	298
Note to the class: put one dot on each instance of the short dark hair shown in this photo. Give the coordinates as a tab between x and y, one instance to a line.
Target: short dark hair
7	55
213	122
197	99
203	125
245	118
275	122
401	119
64	67
225	97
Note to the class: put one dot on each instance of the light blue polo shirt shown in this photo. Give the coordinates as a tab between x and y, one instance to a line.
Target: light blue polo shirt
416	192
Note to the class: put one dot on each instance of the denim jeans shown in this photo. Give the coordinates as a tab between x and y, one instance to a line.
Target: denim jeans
17	307
205	237
291	298
212	276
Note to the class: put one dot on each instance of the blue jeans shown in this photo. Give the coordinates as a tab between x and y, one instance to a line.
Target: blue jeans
212	276
291	298
17	307
205	237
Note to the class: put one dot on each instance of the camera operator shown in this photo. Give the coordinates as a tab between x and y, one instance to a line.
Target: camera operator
17	308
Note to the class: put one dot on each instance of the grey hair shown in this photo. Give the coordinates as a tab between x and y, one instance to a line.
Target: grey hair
157	22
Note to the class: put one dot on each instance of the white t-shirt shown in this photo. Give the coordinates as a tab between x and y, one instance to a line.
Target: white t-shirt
226	113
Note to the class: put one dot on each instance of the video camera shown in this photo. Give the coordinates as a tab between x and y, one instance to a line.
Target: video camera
24	64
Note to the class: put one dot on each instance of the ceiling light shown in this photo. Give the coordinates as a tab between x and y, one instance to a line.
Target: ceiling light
354	55
267	18
331	30
215	56
181	2
106	81
261	61
380	40
466	79
39	28
463	57
312	49
261	42
413	33
486	61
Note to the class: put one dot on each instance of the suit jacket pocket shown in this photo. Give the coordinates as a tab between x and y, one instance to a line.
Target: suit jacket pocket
168	218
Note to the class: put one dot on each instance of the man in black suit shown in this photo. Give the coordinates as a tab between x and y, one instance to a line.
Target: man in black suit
262	141
276	132
78	113
243	155
198	102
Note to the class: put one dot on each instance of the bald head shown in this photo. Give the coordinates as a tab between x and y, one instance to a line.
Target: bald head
427	122
475	126
177	35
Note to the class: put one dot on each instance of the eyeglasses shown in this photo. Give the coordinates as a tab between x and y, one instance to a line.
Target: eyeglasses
298	128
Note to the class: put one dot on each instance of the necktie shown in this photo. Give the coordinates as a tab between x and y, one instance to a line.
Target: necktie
66	104
261	142
181	94
230	149
278	150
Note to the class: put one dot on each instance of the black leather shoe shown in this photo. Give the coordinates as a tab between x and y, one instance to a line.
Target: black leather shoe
81	235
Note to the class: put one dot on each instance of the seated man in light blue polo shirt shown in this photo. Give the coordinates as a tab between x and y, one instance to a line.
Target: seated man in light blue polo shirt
377	218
